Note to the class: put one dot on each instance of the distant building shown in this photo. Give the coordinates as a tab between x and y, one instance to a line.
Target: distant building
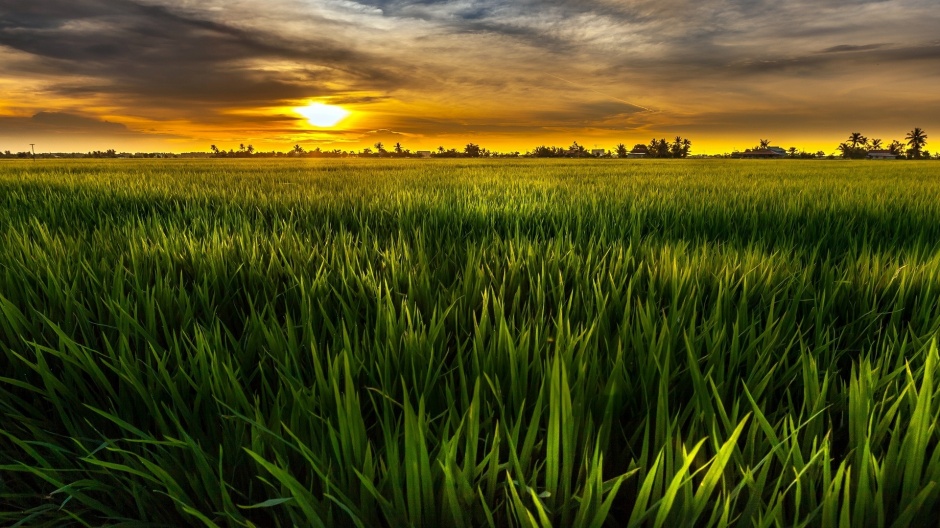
639	151
598	152
424	153
881	154
781	152
761	154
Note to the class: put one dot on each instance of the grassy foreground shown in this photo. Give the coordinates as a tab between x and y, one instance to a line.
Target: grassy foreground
469	343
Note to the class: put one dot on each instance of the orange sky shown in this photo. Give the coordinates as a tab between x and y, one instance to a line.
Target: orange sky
180	75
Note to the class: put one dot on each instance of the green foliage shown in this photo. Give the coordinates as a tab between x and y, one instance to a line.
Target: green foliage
468	343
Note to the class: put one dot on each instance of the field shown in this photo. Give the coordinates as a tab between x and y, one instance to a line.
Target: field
469	343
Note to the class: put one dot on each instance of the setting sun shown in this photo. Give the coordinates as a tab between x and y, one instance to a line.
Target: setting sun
323	115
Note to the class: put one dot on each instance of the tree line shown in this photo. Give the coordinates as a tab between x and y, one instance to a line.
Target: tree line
859	146
657	148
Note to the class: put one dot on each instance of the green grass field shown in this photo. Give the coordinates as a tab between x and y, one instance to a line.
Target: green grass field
469	343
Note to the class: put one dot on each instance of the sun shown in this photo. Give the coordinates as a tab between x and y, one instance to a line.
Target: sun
322	115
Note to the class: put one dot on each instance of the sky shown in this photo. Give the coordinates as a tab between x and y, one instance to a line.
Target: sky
181	75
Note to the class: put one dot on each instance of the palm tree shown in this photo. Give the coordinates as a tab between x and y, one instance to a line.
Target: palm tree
764	143
251	149
676	148
855	138
917	139
214	149
398	149
379	147
440	149
686	147
621	150
298	149
876	144
896	148
663	148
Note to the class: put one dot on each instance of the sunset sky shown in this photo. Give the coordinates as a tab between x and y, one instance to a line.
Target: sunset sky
180	75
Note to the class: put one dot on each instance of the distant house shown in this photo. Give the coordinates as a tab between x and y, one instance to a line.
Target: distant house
761	154
778	150
639	151
423	153
598	152
881	154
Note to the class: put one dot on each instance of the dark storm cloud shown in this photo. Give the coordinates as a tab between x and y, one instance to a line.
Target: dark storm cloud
152	53
65	124
79	123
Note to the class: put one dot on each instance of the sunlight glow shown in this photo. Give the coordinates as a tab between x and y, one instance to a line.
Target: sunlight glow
323	115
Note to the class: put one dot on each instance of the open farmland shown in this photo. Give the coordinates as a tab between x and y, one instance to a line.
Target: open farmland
469	343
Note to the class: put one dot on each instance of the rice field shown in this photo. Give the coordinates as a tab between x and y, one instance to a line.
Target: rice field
469	343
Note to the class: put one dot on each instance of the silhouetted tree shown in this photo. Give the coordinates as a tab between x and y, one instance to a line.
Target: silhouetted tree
398	149
850	152
855	138
542	151
764	143
676	148
577	150
876	144
658	148
917	140
472	150
621	150
896	148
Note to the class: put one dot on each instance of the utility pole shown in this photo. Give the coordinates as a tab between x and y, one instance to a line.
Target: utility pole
32	146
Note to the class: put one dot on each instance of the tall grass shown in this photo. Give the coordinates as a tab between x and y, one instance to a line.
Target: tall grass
402	343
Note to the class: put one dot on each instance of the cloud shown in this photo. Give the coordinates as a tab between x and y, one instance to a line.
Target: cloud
153	54
75	123
849	47
59	131
61	123
448	67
